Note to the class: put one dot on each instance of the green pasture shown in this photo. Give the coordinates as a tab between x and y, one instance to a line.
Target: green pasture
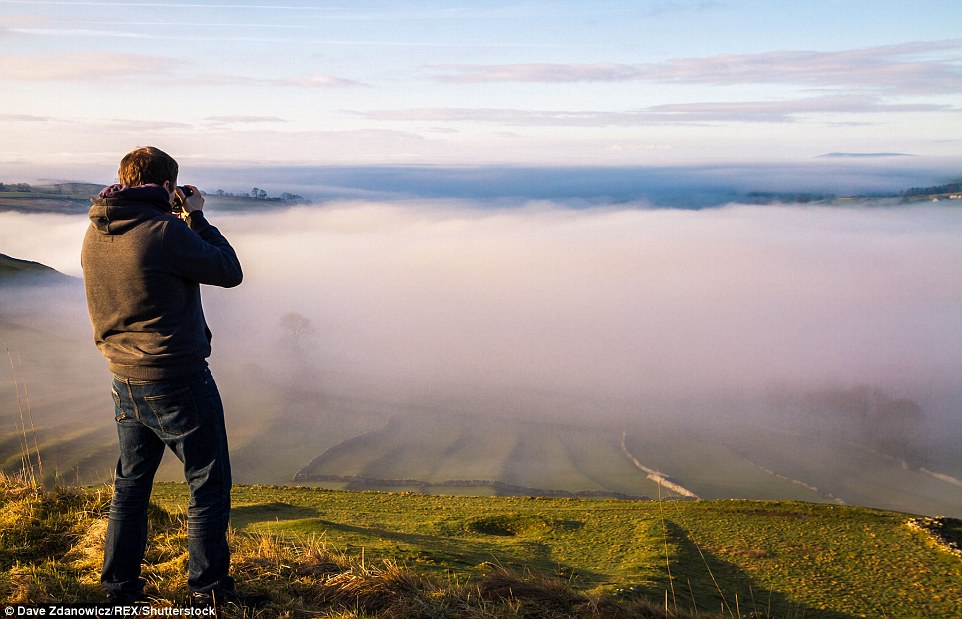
794	558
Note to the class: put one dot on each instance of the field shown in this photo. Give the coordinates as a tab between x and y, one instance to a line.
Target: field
318	552
74	198
841	561
54	198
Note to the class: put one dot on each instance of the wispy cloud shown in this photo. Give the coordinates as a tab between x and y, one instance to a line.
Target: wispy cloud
314	81
229	120
307	81
24	118
906	68
655	9
359	12
784	111
94	125
125	125
80	66
87	32
154	34
706	112
103	65
10	21
166	5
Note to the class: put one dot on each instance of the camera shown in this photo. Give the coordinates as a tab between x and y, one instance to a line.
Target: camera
178	201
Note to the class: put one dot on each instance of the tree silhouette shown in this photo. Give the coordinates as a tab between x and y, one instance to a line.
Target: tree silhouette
298	328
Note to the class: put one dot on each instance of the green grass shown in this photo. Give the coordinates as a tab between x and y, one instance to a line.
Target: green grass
336	553
825	560
51	544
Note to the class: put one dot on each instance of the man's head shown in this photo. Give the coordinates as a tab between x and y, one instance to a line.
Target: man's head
148	166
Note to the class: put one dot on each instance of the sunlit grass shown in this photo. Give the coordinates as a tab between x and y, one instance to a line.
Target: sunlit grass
52	543
318	552
817	558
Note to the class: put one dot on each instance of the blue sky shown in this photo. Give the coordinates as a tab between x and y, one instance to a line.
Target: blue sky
535	83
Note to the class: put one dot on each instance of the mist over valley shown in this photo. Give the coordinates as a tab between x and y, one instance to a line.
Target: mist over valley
525	344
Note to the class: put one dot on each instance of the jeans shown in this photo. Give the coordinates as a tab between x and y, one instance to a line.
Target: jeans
186	415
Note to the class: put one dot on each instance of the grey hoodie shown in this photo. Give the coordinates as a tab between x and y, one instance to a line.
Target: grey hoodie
142	271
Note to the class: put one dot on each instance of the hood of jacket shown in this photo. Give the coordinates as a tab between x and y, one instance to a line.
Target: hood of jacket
121	207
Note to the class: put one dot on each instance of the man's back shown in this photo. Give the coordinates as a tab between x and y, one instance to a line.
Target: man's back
142	269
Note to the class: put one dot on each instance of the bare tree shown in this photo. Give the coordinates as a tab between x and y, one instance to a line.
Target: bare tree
298	327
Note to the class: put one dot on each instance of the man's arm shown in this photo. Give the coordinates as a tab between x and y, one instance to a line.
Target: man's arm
201	254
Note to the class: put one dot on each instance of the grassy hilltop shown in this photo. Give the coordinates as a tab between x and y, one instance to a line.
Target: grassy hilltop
362	554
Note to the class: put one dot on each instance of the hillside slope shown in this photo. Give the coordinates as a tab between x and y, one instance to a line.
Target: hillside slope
350	554
16	271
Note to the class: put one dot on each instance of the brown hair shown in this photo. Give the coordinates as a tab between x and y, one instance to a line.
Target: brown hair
147	165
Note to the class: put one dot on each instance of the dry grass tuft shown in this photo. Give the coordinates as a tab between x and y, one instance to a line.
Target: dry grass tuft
532	595
383	591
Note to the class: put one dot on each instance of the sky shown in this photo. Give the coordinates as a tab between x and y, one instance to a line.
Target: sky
636	83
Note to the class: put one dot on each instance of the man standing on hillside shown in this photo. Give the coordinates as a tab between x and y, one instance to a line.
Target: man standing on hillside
143	266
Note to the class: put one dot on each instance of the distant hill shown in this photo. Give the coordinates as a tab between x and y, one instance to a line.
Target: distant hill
16	271
74	198
660	187
950	190
55	197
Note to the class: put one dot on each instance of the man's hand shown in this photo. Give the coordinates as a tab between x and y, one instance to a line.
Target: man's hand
193	202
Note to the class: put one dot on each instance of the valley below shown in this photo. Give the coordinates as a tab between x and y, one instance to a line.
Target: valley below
286	432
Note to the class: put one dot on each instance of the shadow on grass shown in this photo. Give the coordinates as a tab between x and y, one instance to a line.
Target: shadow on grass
243	515
432	551
951	532
703	582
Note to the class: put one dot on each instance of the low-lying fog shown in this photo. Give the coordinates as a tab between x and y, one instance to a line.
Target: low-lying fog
559	311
